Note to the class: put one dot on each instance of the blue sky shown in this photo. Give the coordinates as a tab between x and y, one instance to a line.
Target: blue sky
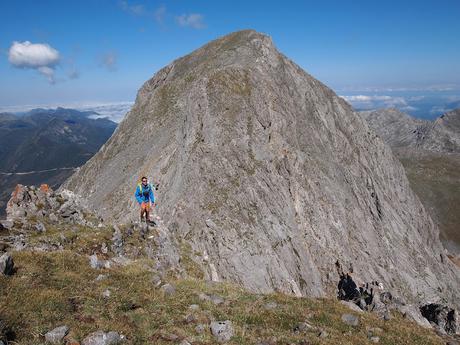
105	50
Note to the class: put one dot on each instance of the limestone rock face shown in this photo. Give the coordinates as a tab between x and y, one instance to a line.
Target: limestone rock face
400	130
270	175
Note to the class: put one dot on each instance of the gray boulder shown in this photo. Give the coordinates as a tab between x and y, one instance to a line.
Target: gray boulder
6	264
40	227
350	319
445	318
103	338
352	306
6	224
323	334
96	263
216	299
413	313
168	289
117	241
222	330
200	328
303	327
270	305
101	277
194	307
56	336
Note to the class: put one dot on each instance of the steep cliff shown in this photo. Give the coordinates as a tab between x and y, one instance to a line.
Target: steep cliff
430	153
270	176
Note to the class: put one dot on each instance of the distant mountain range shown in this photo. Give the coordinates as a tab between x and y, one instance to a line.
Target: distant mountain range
114	111
430	153
44	145
401	130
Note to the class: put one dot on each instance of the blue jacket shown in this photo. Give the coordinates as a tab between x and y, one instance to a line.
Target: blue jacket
144	193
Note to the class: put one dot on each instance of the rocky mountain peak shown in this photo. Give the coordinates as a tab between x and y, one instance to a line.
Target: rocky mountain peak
270	177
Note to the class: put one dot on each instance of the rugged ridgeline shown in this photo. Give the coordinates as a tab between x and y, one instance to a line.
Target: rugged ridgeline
400	130
430	153
271	177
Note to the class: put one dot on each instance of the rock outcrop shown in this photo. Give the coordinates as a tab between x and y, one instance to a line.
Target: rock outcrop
27	202
400	130
269	175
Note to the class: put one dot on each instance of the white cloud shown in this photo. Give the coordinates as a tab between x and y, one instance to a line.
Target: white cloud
439	109
48	72
141	11
416	98
365	98
32	55
434	88
375	101
74	74
193	20
39	56
135	9
159	14
113	111
109	61
408	108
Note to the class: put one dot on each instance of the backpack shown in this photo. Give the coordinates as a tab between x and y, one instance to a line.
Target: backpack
144	192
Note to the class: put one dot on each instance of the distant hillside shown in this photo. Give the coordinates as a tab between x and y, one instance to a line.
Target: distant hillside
400	130
430	153
44	139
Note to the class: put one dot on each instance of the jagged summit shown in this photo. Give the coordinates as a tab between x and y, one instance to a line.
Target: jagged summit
270	176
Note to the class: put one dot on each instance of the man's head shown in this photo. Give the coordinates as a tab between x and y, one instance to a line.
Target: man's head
144	180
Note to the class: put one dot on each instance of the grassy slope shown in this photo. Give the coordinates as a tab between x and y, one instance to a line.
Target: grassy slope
50	289
436	180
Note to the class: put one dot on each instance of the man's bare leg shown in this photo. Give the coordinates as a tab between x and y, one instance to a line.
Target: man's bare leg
142	214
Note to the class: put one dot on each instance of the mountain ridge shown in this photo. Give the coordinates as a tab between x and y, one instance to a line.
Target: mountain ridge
399	129
270	176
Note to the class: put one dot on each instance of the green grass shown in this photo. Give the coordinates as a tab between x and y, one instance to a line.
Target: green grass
435	178
52	289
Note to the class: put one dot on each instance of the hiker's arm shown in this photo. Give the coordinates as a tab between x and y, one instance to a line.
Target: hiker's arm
152	197
137	194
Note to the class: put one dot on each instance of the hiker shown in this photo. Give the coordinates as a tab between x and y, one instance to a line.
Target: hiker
144	196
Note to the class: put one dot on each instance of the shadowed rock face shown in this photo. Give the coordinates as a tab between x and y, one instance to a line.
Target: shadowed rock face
270	175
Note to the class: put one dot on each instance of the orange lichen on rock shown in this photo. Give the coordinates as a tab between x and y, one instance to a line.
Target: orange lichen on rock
44	188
